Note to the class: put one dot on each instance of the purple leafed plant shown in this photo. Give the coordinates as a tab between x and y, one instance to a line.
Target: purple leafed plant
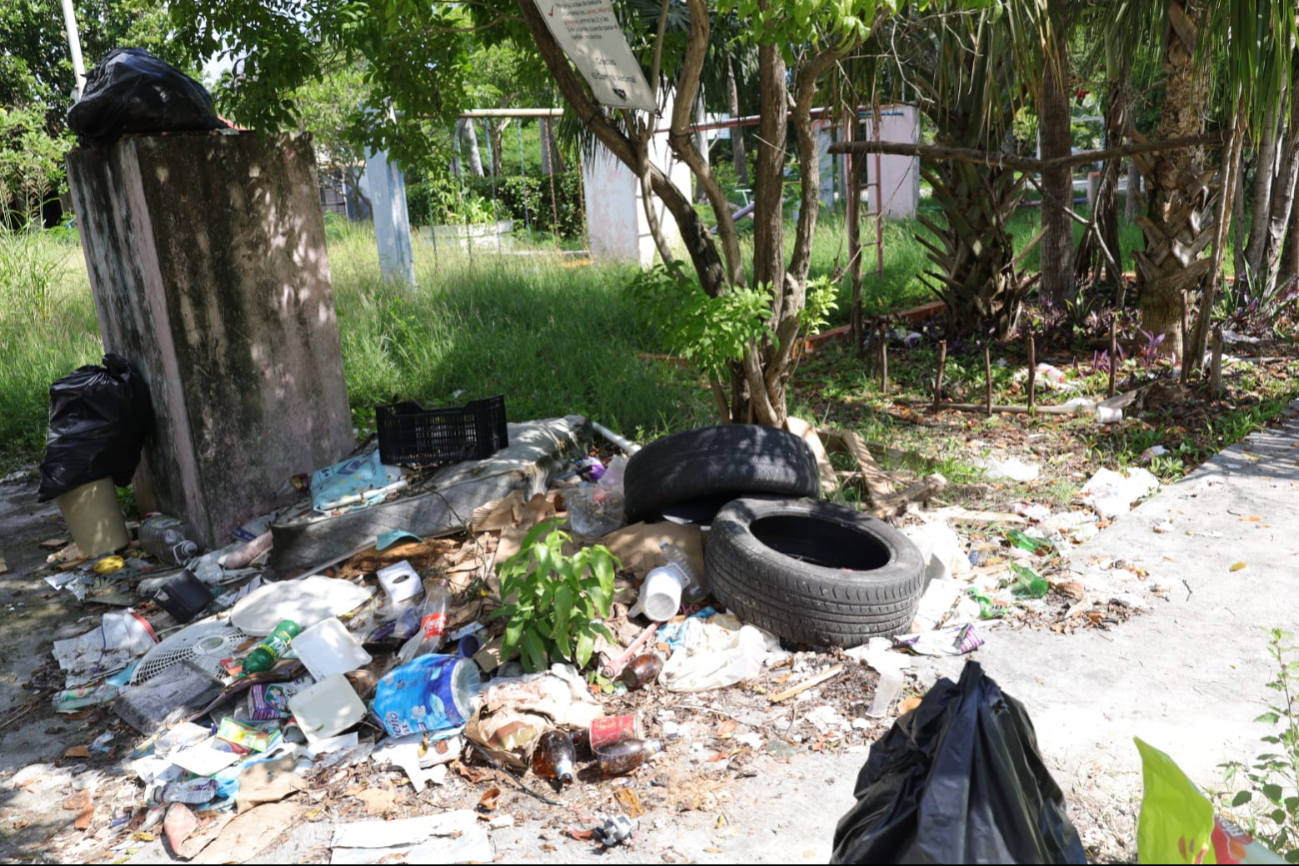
1150	351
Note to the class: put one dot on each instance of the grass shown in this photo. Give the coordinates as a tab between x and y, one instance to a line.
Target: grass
47	329
555	339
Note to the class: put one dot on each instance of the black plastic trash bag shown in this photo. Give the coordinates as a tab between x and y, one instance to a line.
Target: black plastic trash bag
98	420
958	780
133	91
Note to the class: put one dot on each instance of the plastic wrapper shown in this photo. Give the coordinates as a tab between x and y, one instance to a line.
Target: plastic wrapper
99	417
131	91
1178	824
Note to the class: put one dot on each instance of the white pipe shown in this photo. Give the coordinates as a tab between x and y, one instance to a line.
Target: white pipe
512	112
74	46
625	444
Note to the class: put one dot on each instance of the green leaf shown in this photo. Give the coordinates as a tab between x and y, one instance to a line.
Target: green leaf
1273	793
1268	719
563	610
513	633
534	653
585	646
1241	799
1278	816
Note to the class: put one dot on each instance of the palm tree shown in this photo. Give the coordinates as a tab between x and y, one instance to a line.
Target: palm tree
1251	43
954	61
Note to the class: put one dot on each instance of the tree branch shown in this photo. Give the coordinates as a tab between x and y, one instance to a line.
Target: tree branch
703	252
1024	163
683	143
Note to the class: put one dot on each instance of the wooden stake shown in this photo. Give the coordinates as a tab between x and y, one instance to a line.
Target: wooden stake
1215	375
802	687
1186	336
938	380
1032	371
884	357
1114	354
987	375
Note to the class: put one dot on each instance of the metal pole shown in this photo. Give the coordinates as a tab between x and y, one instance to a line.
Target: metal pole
74	46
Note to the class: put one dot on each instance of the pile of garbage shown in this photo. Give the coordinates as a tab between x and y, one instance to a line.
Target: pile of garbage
544	610
244	685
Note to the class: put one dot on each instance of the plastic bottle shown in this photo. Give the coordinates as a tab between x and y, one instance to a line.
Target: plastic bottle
432	622
192	791
624	756
268	652
641	671
555	757
693	590
164	537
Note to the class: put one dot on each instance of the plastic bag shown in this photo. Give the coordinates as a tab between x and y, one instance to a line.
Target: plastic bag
131	91
1178	825
98	420
958	780
715	657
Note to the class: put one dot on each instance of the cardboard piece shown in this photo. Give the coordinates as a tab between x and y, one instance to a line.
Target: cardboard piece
805	431
537	510
637	546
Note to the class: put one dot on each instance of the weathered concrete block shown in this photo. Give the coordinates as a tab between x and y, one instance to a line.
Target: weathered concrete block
208	264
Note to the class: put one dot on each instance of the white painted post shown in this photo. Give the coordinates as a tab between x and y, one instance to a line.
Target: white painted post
74	46
825	162
387	185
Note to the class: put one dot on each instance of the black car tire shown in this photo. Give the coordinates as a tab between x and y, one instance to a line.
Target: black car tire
698	471
815	573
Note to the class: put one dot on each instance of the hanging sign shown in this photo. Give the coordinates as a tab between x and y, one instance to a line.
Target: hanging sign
591	37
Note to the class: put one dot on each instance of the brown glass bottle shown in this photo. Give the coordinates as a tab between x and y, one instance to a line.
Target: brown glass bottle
641	671
554	757
622	757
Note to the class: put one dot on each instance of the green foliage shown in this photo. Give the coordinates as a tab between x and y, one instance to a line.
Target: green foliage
31	162
709	332
48	328
520	197
553	601
1268	795
821	300
413	59
36	69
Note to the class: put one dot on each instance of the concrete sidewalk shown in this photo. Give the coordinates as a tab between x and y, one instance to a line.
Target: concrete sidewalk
1189	677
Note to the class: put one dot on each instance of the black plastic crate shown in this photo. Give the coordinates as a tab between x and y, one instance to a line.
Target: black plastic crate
409	433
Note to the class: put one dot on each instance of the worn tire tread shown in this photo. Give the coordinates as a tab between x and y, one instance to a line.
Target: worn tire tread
809	603
735	459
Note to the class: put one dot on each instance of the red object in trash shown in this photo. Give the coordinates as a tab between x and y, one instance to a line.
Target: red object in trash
613	729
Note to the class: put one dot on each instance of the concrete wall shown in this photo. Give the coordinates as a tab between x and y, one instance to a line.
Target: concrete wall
616	225
208	264
899	175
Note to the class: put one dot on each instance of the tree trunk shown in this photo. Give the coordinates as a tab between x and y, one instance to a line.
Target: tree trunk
1289	269
1256	246
701	143
496	134
1132	204
768	214
737	134
1106	214
1238	228
547	168
1178	225
470	138
1057	184
1282	200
